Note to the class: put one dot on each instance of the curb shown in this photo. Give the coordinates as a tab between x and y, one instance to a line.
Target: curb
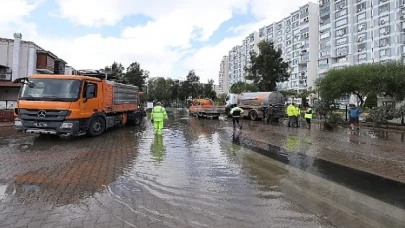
6	125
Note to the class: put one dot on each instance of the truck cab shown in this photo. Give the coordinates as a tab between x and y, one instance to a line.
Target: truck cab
70	105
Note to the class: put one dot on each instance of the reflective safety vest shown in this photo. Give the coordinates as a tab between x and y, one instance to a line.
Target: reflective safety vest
308	114
291	110
236	112
159	113
298	111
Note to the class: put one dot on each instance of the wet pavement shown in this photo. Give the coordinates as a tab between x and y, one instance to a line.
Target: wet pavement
197	174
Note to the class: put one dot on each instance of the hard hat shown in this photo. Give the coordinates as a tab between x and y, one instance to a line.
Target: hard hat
159	103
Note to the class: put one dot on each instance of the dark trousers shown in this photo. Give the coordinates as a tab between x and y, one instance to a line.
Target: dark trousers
235	120
292	119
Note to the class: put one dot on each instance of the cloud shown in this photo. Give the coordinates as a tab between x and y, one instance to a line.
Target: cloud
163	45
12	18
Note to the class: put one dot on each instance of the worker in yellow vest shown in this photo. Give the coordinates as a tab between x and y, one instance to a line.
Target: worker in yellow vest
292	114
308	116
298	113
158	117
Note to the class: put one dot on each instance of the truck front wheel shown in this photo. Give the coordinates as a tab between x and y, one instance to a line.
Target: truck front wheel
97	126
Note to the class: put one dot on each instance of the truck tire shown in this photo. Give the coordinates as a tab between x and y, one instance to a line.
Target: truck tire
253	115
96	127
134	119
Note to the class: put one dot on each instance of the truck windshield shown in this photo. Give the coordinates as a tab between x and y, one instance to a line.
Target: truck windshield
51	89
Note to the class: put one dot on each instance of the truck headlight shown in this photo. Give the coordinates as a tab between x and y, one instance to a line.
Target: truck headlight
66	125
17	123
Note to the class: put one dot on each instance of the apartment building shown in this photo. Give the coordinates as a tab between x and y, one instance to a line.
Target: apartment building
19	58
297	37
359	31
239	57
223	75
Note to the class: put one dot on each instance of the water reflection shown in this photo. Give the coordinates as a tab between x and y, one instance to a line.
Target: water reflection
158	148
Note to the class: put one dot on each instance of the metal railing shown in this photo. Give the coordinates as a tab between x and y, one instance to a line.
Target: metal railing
7	104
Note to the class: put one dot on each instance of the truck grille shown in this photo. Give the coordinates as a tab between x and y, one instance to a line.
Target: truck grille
43	115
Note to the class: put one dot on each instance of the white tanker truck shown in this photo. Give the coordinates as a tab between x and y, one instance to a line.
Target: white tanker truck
258	105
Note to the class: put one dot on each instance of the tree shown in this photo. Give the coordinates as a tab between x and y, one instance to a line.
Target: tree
241	87
267	68
135	75
363	80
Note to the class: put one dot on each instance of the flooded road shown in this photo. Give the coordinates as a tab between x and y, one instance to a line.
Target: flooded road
197	174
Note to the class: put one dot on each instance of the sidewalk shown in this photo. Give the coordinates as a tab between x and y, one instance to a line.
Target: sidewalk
382	156
6	124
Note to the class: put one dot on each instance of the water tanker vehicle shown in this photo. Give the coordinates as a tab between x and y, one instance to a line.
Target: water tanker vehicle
258	105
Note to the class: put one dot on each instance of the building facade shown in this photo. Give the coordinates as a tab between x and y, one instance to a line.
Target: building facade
297	37
239	57
359	31
19	58
223	81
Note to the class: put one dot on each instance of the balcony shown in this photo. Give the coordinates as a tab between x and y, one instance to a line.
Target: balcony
304	60
59	66
46	62
5	73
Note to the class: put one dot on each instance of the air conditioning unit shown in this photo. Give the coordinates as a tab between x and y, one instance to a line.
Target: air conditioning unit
382	22
5	77
320	22
386	32
403	54
360	50
360	39
359	9
341	6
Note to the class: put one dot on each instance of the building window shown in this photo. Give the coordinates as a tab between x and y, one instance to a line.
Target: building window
295	17
325	35
383	9
384	31
340	5
341	22
361	27
361	47
384	53
341	32
361	37
341	41
384	20
384	42
341	51
324	44
323	62
361	17
324	53
361	7
341	13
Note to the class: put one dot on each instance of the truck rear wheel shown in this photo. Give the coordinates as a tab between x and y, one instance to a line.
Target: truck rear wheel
97	126
134	119
253	115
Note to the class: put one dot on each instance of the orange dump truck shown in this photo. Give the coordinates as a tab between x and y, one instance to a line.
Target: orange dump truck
206	108
74	105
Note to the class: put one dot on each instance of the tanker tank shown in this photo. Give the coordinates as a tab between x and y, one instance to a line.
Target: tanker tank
262	99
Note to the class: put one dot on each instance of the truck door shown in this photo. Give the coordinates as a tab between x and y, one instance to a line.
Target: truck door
91	99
